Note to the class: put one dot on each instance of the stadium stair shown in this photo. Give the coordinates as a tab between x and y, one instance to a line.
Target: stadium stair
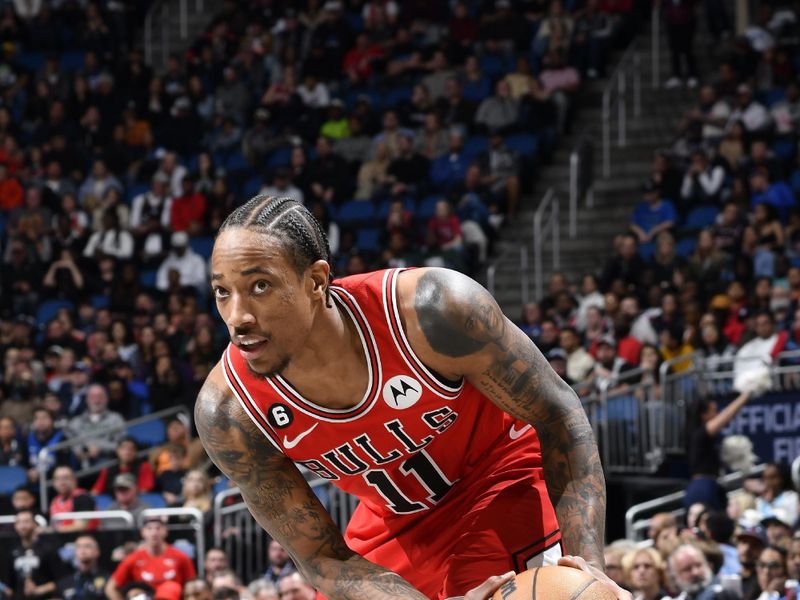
197	22
614	197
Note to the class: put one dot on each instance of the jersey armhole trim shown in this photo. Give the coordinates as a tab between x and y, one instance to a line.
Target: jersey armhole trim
246	401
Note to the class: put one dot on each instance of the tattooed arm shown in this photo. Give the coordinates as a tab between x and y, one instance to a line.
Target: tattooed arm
284	505
456	328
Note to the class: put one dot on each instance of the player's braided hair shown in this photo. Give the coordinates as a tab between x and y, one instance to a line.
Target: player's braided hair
304	240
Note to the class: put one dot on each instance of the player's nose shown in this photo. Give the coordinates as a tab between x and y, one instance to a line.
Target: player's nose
240	315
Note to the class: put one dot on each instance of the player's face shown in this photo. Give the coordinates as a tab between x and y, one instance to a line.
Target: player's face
267	306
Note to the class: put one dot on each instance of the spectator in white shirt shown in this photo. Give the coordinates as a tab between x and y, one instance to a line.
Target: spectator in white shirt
111	240
174	172
313	93
190	266
579	362
753	114
155	203
786	112
702	183
282	186
753	358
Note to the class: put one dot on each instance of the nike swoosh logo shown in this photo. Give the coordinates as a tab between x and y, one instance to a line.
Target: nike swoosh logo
515	433
292	443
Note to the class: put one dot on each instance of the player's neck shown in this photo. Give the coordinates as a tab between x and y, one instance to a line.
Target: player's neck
331	369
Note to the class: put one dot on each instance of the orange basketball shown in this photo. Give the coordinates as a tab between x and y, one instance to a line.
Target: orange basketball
553	583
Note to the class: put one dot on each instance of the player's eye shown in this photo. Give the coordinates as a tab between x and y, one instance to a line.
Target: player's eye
220	293
260	286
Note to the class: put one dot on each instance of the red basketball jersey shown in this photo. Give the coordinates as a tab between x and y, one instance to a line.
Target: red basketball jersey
413	443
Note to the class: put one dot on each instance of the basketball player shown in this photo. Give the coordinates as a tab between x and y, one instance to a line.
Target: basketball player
407	388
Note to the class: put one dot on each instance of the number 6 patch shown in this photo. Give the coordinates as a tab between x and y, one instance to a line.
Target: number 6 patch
280	416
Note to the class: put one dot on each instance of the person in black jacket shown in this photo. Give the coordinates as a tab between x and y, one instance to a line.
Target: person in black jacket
88	580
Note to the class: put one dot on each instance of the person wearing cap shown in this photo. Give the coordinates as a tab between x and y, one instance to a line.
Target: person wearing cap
750	541
126	497
609	370
154	562
557	358
653	214
189	265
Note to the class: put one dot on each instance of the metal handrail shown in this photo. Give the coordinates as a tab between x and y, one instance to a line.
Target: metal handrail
545	220
655	50
617	88
94	515
42	465
632	526
10	519
581	180
158	15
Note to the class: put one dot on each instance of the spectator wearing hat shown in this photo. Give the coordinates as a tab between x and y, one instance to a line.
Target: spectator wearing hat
126	497
155	562
127	462
652	215
189	266
93	449
609	369
750	542
778	528
557	357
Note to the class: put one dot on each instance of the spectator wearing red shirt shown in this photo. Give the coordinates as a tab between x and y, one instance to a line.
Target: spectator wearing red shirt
10	190
128	463
446	227
188	211
70	498
153	563
358	61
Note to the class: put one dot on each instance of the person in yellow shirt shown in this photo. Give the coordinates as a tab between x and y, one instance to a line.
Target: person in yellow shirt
673	346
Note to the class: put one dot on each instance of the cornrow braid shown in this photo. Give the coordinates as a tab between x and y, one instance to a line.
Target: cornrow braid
304	240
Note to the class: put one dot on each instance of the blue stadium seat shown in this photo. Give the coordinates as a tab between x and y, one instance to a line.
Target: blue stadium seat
686	247
148	278
356	213
237	163
102	501
427	207
700	217
774	96
526	144
72	61
279	158
149	433
221	485
100	301
134	190
48	309
11	478
2	226
794	181
31	61
495	66
251	187
368	239
153	499
396	96
202	245
475	145
785	149
647	250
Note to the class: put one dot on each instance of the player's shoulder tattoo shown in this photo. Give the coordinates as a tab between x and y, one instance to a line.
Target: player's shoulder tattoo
457	316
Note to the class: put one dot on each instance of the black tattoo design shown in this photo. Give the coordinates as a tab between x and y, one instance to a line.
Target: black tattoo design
459	318
282	502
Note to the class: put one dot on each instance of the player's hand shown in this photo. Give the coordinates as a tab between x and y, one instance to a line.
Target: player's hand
576	562
485	590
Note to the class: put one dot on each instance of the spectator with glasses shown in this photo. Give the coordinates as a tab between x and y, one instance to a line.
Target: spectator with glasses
771	574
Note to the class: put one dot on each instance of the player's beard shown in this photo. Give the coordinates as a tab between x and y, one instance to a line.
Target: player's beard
271	370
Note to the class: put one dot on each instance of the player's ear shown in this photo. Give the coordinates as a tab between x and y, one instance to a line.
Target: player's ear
318	274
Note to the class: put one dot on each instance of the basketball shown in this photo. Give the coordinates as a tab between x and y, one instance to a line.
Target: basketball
553	583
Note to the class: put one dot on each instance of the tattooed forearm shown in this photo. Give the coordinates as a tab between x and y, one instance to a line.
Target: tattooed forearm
460	319
282	502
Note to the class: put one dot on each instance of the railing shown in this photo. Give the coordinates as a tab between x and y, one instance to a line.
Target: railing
635	526
655	50
10	519
44	454
157	24
545	222
245	541
581	180
491	274
615	101
96	515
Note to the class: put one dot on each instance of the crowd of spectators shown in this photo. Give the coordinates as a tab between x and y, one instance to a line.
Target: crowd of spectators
411	130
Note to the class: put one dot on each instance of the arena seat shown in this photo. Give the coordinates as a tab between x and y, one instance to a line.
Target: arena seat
686	247
647	250
153	499
149	433
237	163
148	278
30	61
356	213
134	190
527	144
279	158
102	501
48	309
72	61
700	217
475	145
202	245
100	301
368	239
252	186
383	208
427	207
397	96
12	478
